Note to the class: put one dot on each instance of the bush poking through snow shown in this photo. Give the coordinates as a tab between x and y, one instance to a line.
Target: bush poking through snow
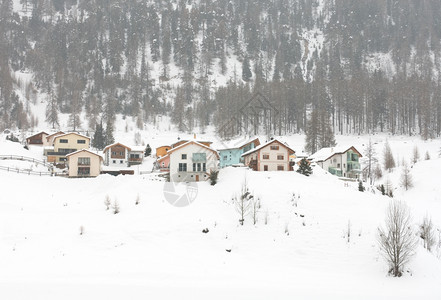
115	207
427	156
266	217
287	228
397	241
427	233
137	200
348	232
81	230
361	188
213	177
107	202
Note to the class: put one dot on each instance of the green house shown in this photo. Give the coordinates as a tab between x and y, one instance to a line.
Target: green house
339	161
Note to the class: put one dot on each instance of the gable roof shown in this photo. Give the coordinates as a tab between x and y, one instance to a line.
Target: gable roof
256	144
36	134
62	135
84	150
326	153
195	143
266	144
180	142
55	133
115	144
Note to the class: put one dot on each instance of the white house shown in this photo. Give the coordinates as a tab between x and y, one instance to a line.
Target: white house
119	155
190	161
340	161
271	156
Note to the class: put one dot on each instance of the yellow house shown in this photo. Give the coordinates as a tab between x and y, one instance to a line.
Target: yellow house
65	144
84	163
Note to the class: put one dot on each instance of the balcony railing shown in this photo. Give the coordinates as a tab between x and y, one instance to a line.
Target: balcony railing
335	171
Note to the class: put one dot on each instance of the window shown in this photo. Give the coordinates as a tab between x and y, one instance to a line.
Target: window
63	141
81	141
84	161
199	167
266	156
280	157
83	171
280	168
199	157
194	167
182	167
338	165
134	155
121	161
113	153
184	156
121	153
225	157
66	150
275	147
114	161
204	167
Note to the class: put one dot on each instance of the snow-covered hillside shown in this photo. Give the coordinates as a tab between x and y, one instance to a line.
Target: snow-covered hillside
155	249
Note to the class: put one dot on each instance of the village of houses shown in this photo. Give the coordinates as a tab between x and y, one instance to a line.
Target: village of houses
186	160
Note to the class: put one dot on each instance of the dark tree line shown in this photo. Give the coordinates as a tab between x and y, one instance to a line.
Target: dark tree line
106	57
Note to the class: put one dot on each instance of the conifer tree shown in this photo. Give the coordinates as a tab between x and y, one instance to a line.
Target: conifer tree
98	137
305	167
148	151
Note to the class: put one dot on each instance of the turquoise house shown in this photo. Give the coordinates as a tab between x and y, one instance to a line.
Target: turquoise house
232	156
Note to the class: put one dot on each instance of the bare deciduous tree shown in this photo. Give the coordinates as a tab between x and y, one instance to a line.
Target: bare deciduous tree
388	158
255	207
415	154
397	241
427	233
370	161
406	177
243	202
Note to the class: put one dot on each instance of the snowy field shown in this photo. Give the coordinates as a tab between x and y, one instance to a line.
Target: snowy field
156	250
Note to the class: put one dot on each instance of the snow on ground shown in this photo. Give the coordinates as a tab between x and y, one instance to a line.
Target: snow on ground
158	250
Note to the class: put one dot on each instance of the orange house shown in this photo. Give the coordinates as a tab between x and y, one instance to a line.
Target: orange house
161	151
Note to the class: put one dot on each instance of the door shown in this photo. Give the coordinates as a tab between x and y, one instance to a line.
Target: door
265	167
197	177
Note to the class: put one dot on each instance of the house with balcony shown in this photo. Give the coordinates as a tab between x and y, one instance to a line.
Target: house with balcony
274	155
84	163
339	161
190	161
233	155
64	144
119	155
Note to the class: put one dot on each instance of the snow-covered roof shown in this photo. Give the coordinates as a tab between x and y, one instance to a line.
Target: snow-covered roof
84	150
235	145
37	134
137	148
266	144
79	134
192	142
325	153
